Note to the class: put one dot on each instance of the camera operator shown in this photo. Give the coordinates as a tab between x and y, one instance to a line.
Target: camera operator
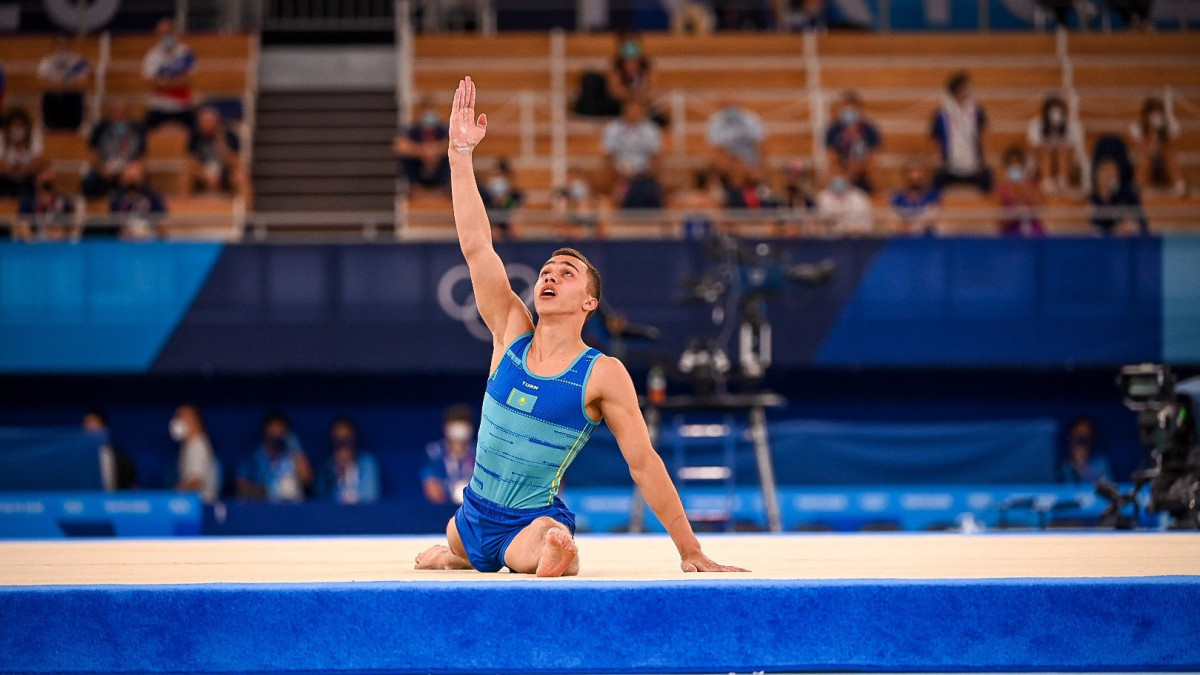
1082	465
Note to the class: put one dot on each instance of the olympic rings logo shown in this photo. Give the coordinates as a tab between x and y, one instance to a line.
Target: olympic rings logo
69	15
522	278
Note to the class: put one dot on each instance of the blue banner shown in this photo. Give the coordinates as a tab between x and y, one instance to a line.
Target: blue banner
49	458
54	515
408	308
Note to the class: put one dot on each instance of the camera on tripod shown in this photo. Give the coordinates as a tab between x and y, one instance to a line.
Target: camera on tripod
1167	431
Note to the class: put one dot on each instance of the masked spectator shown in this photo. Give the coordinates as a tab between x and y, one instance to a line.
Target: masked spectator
20	151
450	461
169	66
852	141
1019	197
960	130
64	76
278	470
1115	205
351	476
503	200
198	470
213	164
45	214
632	145
139	209
116	142
843	207
1056	140
1155	137
421	150
916	206
735	137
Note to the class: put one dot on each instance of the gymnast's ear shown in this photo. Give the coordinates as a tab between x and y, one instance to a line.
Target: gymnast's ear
591	304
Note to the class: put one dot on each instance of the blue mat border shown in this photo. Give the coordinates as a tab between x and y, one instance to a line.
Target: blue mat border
708	624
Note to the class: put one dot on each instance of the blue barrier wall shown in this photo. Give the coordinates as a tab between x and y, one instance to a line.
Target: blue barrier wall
192	309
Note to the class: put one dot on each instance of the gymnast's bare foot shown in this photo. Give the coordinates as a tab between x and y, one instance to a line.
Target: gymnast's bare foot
559	554
441	558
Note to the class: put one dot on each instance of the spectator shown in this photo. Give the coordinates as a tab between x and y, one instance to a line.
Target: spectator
735	136
700	205
138	207
198	471
852	141
503	199
117	470
450	461
692	17
278	470
1019	197
1155	137
1135	13
64	75
115	143
351	476
169	66
1082	465
1056	140
578	207
916	206
20	150
843	207
1116	206
213	164
45	214
799	196
803	16
421	150
632	81
632	144
959	128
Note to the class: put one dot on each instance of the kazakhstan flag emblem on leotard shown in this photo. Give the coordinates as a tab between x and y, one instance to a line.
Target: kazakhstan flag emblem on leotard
521	401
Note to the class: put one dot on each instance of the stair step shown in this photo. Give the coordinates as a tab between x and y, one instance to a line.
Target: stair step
289	168
324	100
324	136
324	202
344	152
357	185
326	119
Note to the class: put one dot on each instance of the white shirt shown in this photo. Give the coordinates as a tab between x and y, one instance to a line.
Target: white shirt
962	136
63	67
175	62
632	146
22	157
196	460
738	131
846	213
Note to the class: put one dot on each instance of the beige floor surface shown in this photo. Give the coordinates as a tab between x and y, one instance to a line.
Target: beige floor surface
605	558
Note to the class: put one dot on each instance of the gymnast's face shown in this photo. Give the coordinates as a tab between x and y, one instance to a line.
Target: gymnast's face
562	287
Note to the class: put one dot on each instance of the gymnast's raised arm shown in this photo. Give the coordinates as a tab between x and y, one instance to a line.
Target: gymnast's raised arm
503	312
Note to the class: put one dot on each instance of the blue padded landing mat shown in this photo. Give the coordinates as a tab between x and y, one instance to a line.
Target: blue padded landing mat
566	626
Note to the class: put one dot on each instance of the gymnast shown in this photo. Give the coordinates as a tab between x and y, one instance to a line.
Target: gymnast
546	394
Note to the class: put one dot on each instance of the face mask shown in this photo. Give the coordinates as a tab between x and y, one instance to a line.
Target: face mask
458	432
178	429
732	112
839	185
119	128
429	119
630	50
578	190
1055	115
849	116
498	186
18	134
914	182
1157	120
1016	174
168	42
343	444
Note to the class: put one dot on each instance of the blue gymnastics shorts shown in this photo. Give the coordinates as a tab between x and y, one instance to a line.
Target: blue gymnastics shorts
487	528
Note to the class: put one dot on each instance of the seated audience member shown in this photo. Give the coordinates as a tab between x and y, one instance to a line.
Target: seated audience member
631	79
1155	140
214	163
168	67
350	476
45	214
421	150
1116	207
139	209
843	208
631	145
116	142
20	151
450	461
197	465
1083	465
735	137
117	470
1135	13
852	141
278	470
803	16
503	200
1019	197
64	77
916	206
700	204
1056	141
745	190
579	209
960	130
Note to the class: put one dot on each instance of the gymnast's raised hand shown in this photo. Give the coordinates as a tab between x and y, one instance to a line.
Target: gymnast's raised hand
465	129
